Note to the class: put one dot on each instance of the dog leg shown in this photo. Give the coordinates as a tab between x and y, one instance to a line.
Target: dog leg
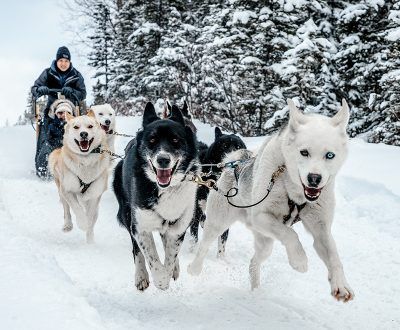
81	218
325	246
269	226
67	216
212	229
172	245
160	276
262	250
92	211
194	232
141	274
222	243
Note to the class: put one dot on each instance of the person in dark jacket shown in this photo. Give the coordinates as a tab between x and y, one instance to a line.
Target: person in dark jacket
61	75
57	113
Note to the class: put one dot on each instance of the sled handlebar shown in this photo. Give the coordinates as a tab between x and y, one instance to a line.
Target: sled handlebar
58	90
55	90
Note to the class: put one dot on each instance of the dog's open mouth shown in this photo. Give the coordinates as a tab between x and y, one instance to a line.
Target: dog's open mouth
84	145
311	193
164	175
106	128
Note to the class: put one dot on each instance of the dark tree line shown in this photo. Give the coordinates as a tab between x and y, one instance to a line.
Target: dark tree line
236	62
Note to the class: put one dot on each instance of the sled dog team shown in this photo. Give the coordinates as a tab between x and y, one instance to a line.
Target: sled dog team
291	178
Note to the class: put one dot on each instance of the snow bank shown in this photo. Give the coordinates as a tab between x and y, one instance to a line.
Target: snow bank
53	280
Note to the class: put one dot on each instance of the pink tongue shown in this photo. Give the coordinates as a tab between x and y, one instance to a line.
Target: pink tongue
164	176
312	191
84	145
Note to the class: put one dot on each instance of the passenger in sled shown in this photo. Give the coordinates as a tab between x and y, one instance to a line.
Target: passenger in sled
65	89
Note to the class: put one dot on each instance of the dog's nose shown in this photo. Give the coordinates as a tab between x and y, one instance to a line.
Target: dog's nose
107	122
314	179
84	135
163	161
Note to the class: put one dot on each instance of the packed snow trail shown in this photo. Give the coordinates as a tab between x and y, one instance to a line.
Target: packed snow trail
53	280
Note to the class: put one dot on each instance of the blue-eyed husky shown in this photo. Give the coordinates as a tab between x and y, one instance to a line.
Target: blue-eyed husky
309	152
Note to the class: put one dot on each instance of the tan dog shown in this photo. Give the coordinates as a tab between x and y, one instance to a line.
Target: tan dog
81	171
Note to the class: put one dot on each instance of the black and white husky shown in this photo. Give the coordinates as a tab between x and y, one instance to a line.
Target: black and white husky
154	193
223	144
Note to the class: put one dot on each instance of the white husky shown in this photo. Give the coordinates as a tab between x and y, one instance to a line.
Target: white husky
105	115
312	148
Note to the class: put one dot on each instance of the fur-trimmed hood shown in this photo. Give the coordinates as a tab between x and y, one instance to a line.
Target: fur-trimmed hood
61	106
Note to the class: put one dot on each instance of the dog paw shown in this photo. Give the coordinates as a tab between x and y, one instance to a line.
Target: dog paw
298	259
161	280
221	254
194	268
142	284
341	291
161	284
67	227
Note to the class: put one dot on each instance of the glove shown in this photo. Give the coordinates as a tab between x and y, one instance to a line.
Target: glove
43	90
68	92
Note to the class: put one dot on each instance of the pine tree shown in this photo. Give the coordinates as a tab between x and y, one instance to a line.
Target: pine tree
101	40
28	114
365	59
237	62
125	85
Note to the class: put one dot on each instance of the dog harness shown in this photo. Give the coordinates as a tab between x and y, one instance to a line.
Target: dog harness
83	185
271	183
238	167
293	205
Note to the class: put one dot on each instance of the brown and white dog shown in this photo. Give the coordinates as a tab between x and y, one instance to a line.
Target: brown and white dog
80	171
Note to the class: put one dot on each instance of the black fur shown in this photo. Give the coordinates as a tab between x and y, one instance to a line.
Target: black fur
222	145
133	188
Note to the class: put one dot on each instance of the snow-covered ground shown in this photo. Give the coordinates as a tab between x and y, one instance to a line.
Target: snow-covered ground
53	280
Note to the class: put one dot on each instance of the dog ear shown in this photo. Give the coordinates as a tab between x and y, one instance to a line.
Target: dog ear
68	116
296	117
342	116
176	115
185	110
169	107
218	133
149	114
90	113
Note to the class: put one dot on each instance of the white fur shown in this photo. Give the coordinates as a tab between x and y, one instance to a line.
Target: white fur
104	112
69	163
317	134
171	217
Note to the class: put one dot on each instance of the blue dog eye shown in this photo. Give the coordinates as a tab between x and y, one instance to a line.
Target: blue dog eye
329	155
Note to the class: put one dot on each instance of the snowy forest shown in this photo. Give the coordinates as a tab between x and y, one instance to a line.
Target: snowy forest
235	62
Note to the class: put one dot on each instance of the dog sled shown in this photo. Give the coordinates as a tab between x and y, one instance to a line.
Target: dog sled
46	140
